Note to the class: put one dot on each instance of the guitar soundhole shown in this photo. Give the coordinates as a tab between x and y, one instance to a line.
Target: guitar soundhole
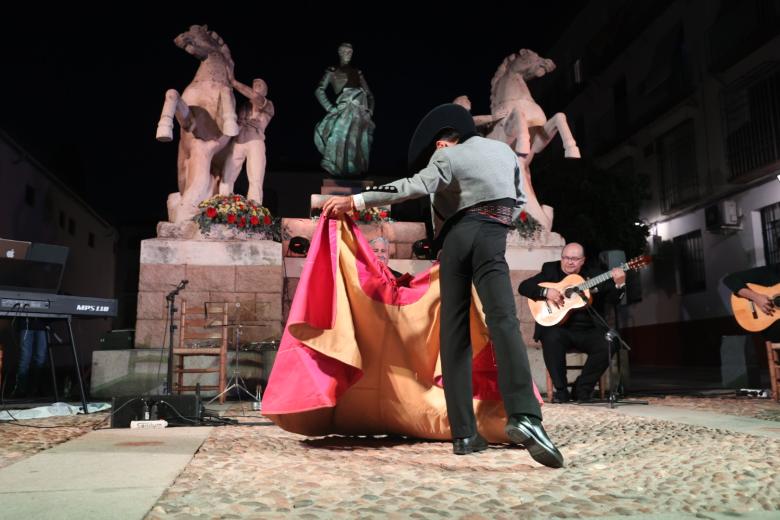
776	301
568	292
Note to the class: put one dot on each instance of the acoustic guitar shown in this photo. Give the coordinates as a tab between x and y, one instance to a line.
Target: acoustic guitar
576	293
749	316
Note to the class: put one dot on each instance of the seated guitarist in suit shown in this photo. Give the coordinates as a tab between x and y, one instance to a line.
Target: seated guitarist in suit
767	276
578	331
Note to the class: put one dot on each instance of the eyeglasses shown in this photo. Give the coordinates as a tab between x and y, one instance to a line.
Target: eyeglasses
572	258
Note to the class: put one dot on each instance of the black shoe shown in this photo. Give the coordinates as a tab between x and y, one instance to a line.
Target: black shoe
561	396
584	395
529	432
466	445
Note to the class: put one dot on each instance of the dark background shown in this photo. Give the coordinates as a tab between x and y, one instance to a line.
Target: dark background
85	97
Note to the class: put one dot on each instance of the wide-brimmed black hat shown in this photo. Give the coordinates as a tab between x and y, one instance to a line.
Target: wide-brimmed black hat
423	143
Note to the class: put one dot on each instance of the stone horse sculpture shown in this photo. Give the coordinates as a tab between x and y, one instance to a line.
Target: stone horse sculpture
206	112
522	124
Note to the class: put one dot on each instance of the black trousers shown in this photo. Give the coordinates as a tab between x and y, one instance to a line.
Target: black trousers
473	251
557	340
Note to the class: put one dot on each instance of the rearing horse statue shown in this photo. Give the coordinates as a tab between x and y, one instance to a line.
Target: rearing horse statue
522	124
206	112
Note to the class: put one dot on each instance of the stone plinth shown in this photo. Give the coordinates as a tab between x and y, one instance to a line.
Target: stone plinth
318	200
400	235
245	273
344	186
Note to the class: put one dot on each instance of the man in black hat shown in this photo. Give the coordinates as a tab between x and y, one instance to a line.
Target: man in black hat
476	190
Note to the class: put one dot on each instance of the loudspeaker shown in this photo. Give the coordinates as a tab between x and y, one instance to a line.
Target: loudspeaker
178	410
298	246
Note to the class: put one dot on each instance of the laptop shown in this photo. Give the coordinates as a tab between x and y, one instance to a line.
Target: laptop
13	249
40	271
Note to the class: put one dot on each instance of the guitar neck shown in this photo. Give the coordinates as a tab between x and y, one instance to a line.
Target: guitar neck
603	277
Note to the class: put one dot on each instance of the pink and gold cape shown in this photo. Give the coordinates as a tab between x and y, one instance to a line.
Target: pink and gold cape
360	351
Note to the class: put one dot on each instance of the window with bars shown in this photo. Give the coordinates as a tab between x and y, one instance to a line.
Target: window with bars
679	176
752	116
770	226
689	254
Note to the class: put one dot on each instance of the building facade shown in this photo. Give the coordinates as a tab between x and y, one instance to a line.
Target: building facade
688	94
35	206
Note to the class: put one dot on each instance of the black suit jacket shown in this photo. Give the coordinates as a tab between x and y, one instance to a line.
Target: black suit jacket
603	293
767	275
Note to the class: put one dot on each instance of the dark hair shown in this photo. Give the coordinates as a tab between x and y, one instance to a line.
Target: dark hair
448	134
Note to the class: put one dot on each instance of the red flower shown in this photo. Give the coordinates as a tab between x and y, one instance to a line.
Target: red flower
267	220
231	218
523	216
254	220
383	214
236	198
211	212
355	215
367	217
242	222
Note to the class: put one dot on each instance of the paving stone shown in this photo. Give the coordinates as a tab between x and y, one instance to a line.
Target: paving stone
616	465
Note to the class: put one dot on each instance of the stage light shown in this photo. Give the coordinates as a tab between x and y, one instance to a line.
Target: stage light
422	249
298	246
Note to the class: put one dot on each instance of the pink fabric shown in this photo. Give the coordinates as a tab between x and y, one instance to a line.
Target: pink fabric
316	303
304	379
378	281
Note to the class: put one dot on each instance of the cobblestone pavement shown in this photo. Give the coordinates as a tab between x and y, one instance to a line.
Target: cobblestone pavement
616	465
23	439
764	409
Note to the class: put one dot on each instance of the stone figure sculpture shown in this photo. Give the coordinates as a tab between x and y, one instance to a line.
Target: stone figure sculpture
207	116
344	135
249	144
517	120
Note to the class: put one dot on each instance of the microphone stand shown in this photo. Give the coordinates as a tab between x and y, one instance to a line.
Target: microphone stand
614	344
171	298
235	381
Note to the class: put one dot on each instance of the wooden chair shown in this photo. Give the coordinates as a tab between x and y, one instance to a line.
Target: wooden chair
575	361
773	355
202	335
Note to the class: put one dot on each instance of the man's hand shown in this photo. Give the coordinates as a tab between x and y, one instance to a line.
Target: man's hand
764	303
501	113
554	297
618	275
336	206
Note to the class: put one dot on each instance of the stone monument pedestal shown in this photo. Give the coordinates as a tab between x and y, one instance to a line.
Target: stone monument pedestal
344	186
246	273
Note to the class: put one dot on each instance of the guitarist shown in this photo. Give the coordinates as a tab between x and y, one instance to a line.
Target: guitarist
578	331
767	276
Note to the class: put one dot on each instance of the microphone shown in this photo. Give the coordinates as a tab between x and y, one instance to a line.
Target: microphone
178	288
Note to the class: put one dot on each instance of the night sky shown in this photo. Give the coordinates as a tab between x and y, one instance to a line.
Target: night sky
84	99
